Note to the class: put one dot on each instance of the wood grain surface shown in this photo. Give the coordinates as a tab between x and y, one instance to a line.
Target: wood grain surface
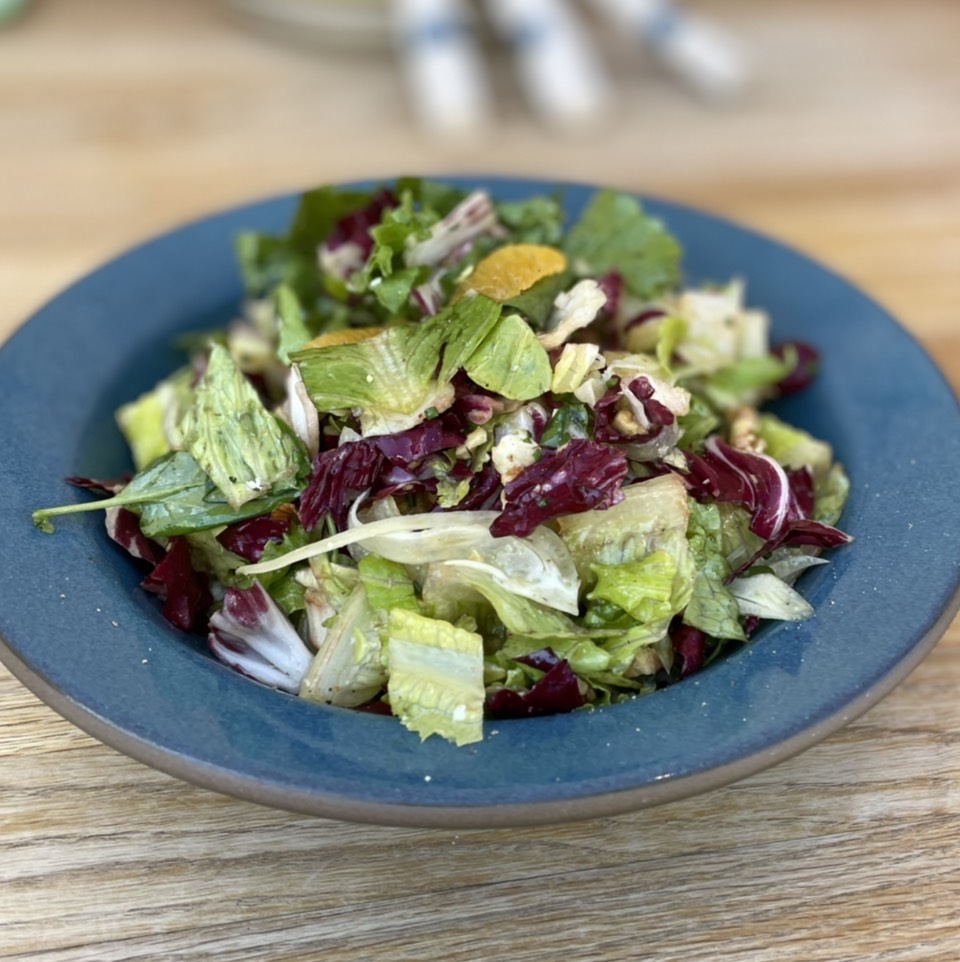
122	118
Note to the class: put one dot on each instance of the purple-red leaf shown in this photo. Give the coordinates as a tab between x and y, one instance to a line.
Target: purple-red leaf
339	475
808	364
248	538
414	444
252	635
355	227
558	691
691	645
123	526
185	593
578	477
657	414
780	503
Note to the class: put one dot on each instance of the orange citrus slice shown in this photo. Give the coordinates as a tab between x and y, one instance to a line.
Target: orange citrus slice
349	335
510	270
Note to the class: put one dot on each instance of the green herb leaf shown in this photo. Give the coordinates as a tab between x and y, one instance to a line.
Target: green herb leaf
536	303
291	321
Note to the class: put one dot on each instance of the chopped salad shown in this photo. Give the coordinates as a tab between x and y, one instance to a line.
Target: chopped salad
457	459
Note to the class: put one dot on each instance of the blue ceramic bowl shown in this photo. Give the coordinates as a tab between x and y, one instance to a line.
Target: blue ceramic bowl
78	632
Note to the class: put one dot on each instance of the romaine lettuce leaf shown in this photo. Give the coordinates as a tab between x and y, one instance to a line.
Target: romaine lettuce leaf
451	588
435	677
651	589
347	669
291	322
387	584
151	423
246	451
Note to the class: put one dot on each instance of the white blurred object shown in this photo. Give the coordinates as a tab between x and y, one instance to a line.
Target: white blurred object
559	70
443	68
697	50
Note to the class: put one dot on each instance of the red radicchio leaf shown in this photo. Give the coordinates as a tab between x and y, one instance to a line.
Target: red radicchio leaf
766	481
338	475
99	486
808	364
801	486
691	645
414	444
780	503
484	491
472	405
659	415
248	538
579	476
557	692
612	286
355	227
185	592
644	317
123	526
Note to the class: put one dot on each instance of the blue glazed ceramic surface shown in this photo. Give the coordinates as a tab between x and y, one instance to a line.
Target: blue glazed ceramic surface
77	630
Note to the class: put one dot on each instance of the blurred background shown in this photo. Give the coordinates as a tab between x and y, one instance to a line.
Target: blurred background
834	124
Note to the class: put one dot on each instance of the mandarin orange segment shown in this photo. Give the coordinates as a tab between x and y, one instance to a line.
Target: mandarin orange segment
512	269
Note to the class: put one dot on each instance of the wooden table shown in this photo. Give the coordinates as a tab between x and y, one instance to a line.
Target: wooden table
119	119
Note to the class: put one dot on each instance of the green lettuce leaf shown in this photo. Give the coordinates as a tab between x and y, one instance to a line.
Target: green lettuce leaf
649	590
712	607
511	361
266	260
536	302
453	588
385	274
387	584
468	323
569	421
614	234
388	379
347	669
697	424
150	424
283	585
653	513
745	381
293	332
830	495
245	450
435	677
538	220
